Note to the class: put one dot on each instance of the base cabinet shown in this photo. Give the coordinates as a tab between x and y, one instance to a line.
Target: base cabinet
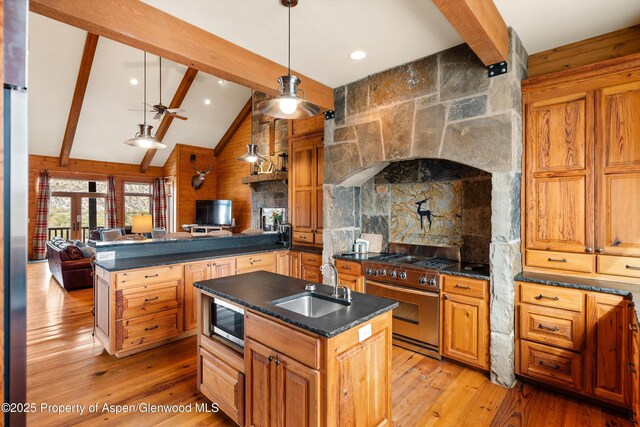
222	384
350	275
199	271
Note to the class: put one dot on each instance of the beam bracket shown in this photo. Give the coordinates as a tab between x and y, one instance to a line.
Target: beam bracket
329	114
497	69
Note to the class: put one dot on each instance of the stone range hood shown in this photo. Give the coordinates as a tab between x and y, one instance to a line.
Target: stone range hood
440	107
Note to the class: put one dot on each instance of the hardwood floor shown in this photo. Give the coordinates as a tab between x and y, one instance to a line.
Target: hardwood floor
66	366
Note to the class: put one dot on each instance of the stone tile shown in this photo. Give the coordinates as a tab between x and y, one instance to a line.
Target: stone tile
446	170
397	129
504	94
339	105
428	100
338	242
502	359
429	125
370	142
484	143
340	160
477	222
357	98
344	134
467	108
339	207
377	224
399	172
505	215
475	249
407	81
357	210
476	193
367	198
462	73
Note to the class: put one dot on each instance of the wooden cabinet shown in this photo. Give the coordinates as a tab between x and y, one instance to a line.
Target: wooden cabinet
282	263
310	267
582	173
350	275
577	340
465	320
199	271
305	189
294	264
258	262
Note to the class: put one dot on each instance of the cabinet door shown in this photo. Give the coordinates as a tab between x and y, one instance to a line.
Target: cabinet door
223	384
302	183
607	367
294	265
354	283
465	329
319	193
298	390
282	263
223	267
193	273
634	358
261	385
559	174
619	166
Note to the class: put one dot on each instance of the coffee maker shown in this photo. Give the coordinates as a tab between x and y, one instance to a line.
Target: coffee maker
286	234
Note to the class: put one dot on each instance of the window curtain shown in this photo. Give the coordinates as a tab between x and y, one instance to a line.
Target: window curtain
159	202
41	231
112	209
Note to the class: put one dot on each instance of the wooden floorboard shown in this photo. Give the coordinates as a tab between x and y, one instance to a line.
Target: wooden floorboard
67	366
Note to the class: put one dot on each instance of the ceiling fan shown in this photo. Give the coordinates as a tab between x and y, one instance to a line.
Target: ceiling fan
161	109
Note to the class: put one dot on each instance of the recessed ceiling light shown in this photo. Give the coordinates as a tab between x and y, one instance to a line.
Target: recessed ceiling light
133	81
220	82
207	101
357	54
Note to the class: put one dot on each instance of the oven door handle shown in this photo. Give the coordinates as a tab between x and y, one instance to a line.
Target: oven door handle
403	289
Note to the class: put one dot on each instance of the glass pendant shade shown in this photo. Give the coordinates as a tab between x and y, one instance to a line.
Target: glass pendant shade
144	139
251	156
288	104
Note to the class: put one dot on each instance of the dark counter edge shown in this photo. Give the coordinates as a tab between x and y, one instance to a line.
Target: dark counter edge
293	322
594	285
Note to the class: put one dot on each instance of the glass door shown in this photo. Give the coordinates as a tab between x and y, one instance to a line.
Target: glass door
60	214
93	213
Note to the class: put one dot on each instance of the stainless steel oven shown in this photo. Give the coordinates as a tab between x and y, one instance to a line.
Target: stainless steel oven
227	321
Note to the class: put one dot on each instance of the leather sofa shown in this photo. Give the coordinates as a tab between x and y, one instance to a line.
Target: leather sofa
67	265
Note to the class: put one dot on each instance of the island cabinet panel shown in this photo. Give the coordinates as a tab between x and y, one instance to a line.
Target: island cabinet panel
261	381
223	384
297	393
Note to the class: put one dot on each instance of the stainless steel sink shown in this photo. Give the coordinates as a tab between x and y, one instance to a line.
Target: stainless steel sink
311	305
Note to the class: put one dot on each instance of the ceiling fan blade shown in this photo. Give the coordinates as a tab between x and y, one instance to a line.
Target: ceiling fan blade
158	116
176	116
175	110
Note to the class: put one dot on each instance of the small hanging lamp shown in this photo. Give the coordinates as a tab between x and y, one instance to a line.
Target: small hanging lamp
251	156
143	138
288	104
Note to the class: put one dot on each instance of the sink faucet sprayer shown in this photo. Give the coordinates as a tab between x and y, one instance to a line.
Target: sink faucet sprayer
346	294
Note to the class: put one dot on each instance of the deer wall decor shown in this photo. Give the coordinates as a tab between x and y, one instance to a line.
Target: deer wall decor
198	179
423	212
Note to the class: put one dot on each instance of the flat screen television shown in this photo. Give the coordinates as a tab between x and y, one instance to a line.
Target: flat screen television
213	212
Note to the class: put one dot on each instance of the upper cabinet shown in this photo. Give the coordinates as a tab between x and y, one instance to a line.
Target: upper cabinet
306	152
582	173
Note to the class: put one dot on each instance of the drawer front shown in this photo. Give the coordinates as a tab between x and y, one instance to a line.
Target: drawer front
561	261
302	237
619	265
147	299
149	275
551	365
552	296
223	384
148	329
311	260
465	286
351	282
552	326
256	262
282	338
348	267
312	274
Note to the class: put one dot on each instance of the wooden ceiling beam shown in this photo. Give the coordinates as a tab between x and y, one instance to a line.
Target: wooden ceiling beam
86	62
176	102
244	113
144	27
481	26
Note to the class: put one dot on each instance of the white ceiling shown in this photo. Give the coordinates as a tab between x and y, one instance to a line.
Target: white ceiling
324	32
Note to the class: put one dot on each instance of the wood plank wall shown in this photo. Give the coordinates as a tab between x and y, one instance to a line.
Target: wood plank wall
230	174
84	169
178	165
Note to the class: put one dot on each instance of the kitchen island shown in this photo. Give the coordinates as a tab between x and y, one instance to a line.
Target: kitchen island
296	369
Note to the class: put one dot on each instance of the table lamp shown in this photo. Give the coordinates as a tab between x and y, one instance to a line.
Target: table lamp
142	224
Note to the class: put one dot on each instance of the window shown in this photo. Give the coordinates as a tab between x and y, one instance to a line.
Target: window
137	200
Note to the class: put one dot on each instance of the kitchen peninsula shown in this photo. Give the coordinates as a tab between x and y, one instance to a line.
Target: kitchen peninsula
300	367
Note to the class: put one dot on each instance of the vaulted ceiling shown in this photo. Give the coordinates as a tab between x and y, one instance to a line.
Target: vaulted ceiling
324	32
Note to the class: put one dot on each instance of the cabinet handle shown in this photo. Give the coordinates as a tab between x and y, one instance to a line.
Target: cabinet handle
213	264
150	276
631	267
549	328
588	250
542	296
270	359
556	260
346	267
256	260
633	327
277	362
462	286
549	365
632	367
599	250
151	328
150	299
445	296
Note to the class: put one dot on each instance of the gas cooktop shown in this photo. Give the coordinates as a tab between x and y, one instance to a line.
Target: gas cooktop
430	263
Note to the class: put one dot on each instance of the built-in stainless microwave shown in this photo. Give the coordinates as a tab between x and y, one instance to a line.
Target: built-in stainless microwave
227	321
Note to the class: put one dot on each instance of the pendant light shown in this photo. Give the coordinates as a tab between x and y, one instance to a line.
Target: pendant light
251	156
143	138
288	104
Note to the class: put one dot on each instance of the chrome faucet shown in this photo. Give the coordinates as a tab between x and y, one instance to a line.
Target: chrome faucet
346	293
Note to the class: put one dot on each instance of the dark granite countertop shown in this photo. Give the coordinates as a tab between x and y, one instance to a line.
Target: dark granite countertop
605	286
309	249
479	271
258	290
153	261
117	243
355	257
